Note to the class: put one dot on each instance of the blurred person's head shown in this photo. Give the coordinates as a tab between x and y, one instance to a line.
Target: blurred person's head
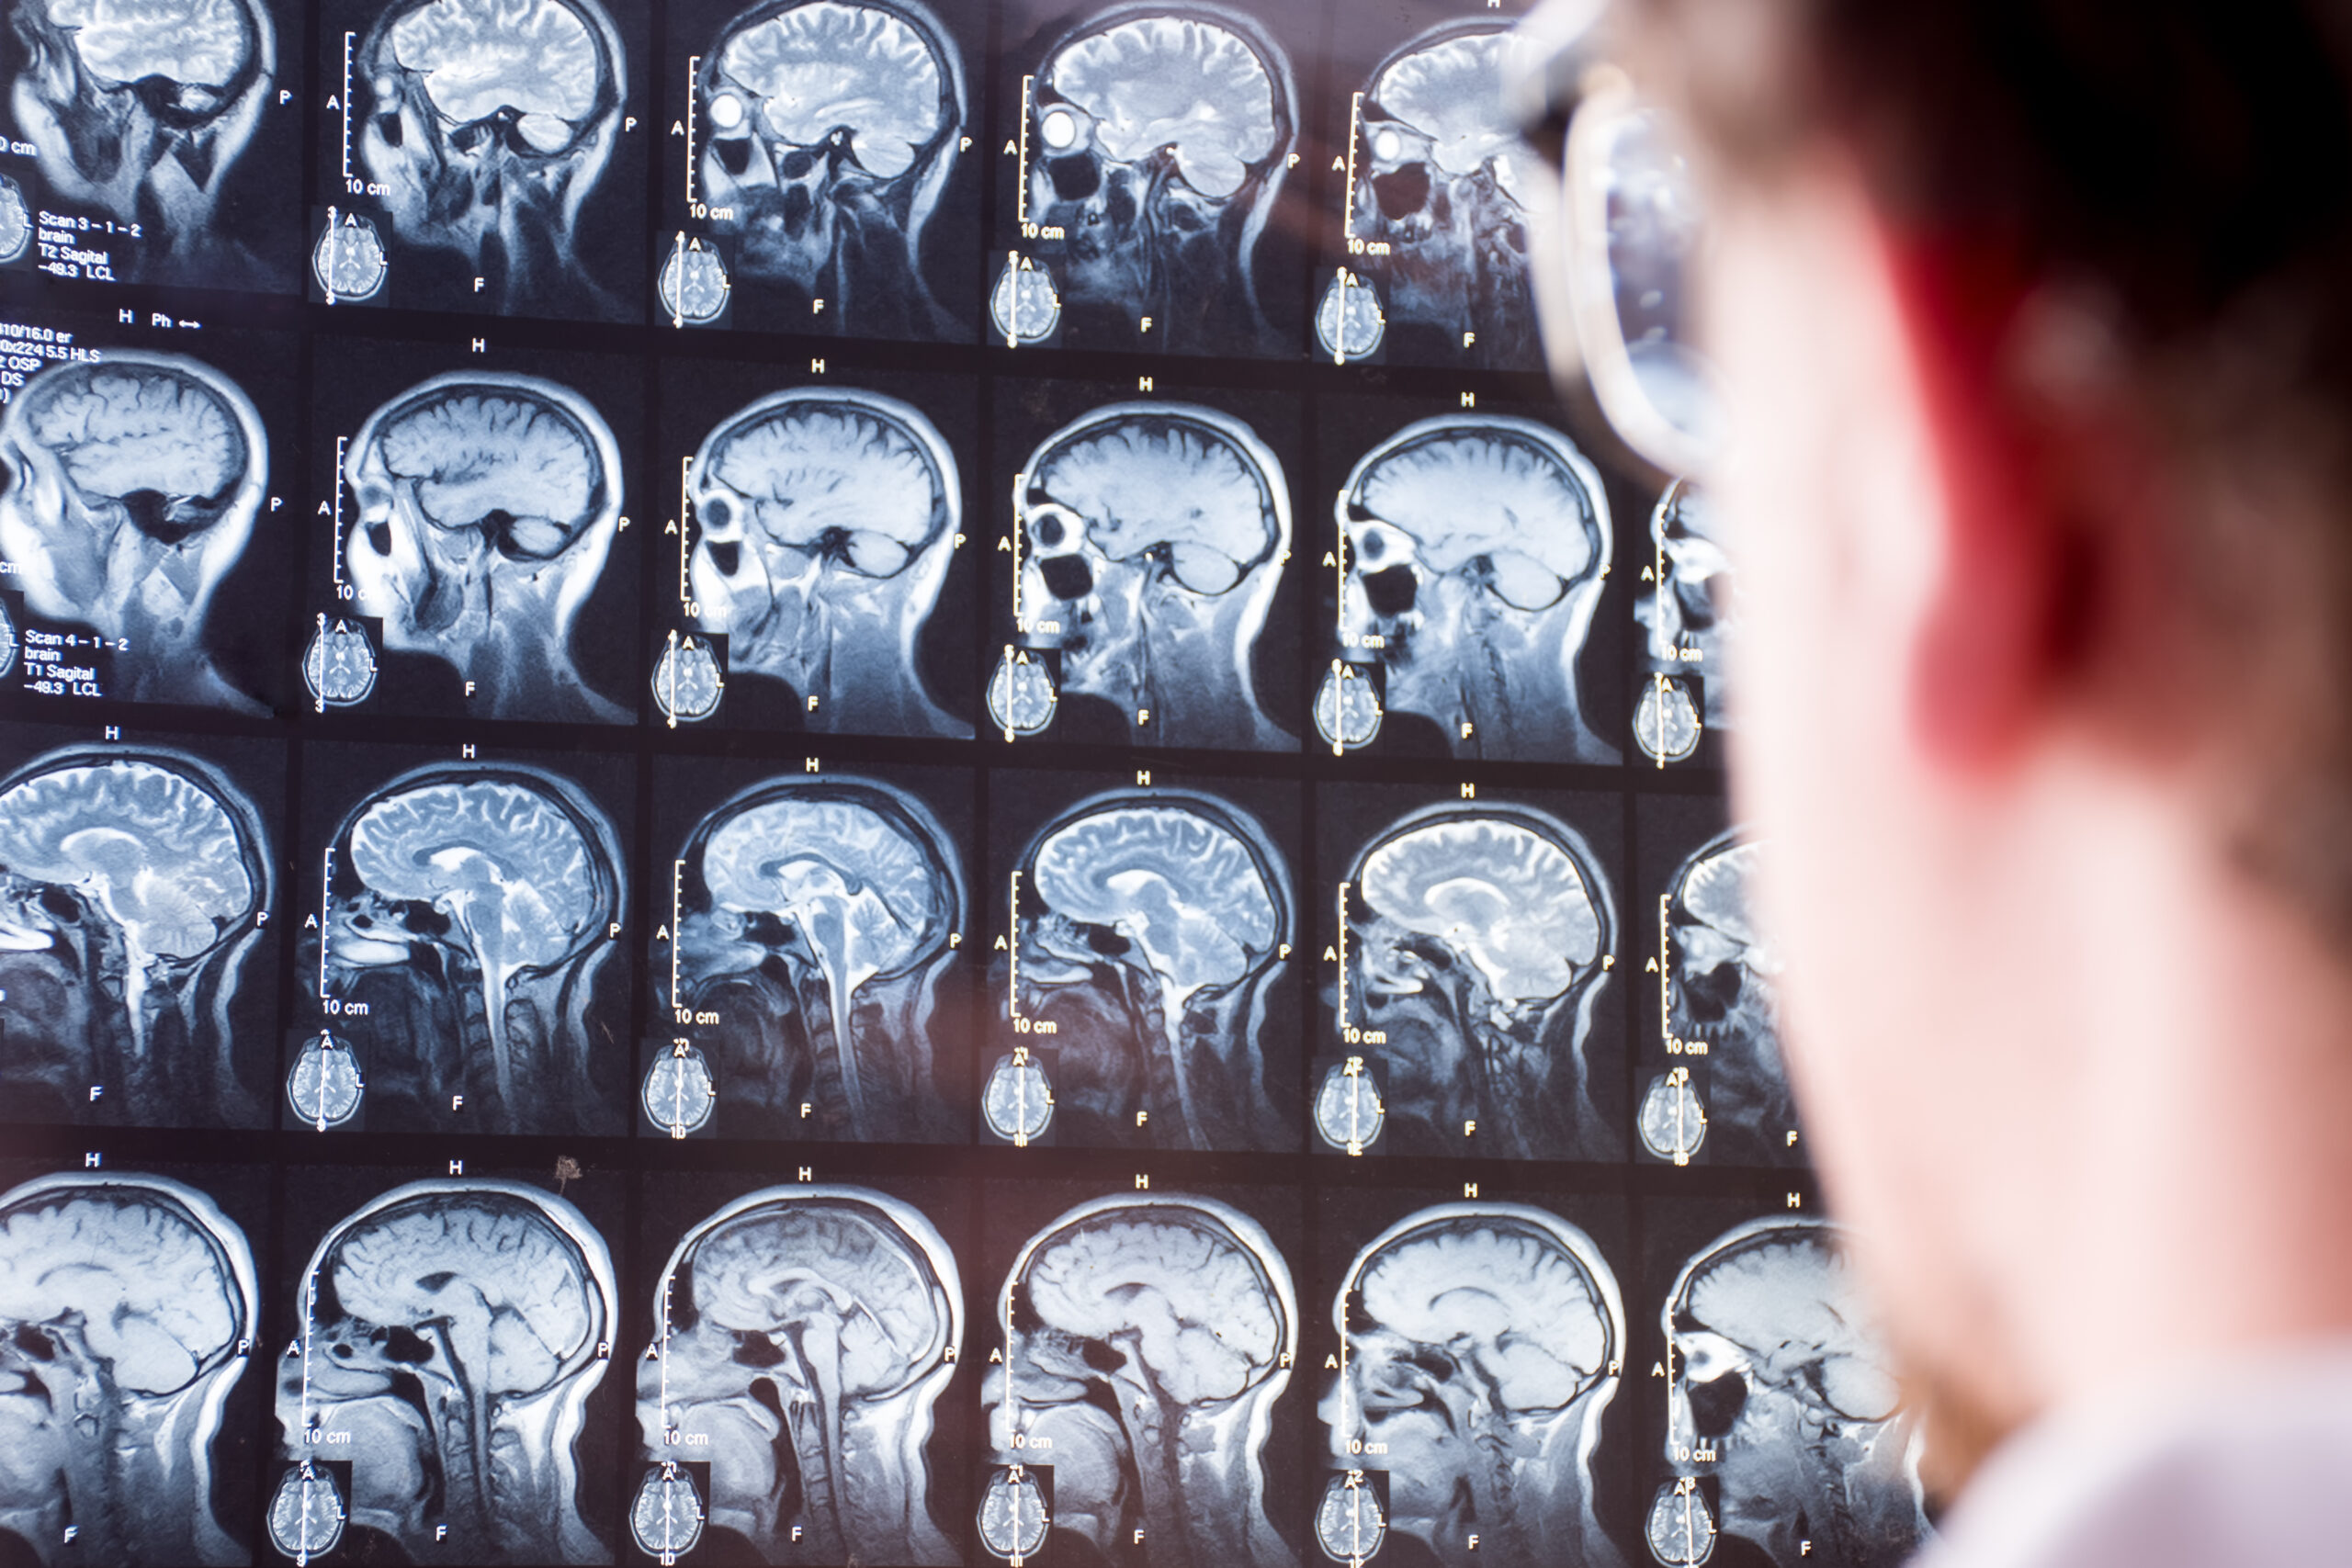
2037	322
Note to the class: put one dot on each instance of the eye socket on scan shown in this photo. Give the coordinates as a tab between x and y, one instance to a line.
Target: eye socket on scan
1055	527
1520	581
726	112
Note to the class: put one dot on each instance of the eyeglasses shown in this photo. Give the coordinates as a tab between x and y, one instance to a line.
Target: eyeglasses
1614	259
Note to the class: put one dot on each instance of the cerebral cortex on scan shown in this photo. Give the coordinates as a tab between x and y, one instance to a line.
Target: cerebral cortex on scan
154	1297
505	853
197	42
472	454
119	430
1197	898
1163	80
513	1287
535	57
1511	896
1449	92
1519	1306
809	472
1791	1306
787	854
1144	483
1467	493
825	65
768	1270
162	855
1197	1308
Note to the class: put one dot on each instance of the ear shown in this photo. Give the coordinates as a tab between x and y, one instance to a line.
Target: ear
1987	654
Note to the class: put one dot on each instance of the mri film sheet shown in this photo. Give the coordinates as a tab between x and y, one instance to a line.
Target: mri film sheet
806	1398
820	577
463	960
809	977
1145	593
1472	1393
1473	967
483	156
132	1310
445	1385
1149	1341
1158	187
1710	1086
146	522
152	144
139	918
1465	604
1148	996
1779	1421
830	179
1424	259
473	532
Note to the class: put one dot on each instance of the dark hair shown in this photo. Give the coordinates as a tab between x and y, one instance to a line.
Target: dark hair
2188	165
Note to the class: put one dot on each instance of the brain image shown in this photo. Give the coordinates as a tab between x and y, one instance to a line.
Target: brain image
1471	490
1176	1312
816	472
814	927
1149	931
159	443
132	891
1452	92
1508	897
1475	1335
1142	482
1721	973
1162	81
1476	937
454	1329
127	1306
196	43
516	468
468	910
534	57
1782	1391
838	1308
823	65
150	843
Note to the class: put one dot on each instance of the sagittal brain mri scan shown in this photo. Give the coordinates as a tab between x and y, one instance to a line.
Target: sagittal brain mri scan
1782	1399
802	1335
1720	976
815	921
449	1335
128	1305
1150	928
485	506
1474	546
1437	220
133	487
1482	1344
489	125
468	910
1687	619
137	113
825	523
1152	539
828	132
133	888
1147	1340
1155	143
1476	941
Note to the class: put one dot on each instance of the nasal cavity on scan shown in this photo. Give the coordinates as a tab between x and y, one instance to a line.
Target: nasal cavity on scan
726	558
1075	178
1402	192
1066	577
734	153
1390	592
